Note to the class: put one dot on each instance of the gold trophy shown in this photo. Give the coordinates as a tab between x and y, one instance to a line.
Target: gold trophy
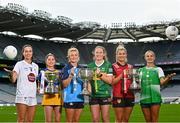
85	74
51	78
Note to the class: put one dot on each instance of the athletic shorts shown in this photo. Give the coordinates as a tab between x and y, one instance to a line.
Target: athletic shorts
122	102
100	101
29	101
52	99
148	105
74	105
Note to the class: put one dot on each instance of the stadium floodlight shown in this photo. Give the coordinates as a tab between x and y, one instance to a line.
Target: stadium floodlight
130	24
42	14
1	7
116	25
87	24
17	8
64	20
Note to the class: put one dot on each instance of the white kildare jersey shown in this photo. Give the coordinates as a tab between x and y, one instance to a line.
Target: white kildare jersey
26	79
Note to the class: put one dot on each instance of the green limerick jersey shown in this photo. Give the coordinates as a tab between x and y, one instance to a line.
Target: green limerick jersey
150	85
99	87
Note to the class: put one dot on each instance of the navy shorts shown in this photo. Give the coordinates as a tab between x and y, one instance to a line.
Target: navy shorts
100	101
148	105
122	102
74	105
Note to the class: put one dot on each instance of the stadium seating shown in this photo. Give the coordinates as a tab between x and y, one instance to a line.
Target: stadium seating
7	93
166	51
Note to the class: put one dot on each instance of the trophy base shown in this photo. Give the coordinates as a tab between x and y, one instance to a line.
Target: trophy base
50	91
85	92
135	90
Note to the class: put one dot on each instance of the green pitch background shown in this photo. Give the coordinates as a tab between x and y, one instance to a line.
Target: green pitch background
168	113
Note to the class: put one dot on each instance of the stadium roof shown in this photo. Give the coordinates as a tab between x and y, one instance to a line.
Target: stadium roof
15	18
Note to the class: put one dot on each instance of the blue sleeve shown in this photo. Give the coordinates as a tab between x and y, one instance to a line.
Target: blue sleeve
60	74
39	77
65	73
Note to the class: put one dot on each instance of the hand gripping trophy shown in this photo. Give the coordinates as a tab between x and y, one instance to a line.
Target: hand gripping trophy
85	74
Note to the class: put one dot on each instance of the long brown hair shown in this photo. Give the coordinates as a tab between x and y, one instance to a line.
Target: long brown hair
22	51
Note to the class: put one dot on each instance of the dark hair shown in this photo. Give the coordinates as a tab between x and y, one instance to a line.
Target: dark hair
26	45
50	54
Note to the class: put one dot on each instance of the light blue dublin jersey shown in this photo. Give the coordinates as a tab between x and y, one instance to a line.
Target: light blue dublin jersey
72	93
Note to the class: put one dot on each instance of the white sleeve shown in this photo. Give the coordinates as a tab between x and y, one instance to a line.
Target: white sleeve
160	72
17	67
37	71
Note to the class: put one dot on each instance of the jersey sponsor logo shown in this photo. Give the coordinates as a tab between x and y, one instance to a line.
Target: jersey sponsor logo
31	77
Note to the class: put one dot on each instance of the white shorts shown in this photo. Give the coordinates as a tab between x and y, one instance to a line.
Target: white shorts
29	101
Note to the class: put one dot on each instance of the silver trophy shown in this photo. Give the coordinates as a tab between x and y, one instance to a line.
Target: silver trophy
51	77
85	74
136	83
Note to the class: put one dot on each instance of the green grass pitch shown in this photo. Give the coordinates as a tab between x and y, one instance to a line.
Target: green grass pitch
168	113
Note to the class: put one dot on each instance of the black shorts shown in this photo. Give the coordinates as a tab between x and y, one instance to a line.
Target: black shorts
100	101
148	105
122	102
74	105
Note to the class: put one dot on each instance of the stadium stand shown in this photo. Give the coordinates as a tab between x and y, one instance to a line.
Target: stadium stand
171	94
166	51
7	92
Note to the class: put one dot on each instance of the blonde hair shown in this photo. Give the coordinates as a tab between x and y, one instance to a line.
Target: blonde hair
120	48
104	51
149	51
71	50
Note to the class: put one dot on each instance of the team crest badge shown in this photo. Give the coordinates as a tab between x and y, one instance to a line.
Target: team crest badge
118	100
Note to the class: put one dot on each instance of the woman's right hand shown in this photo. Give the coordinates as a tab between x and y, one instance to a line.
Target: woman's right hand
98	72
9	73
12	75
7	70
72	71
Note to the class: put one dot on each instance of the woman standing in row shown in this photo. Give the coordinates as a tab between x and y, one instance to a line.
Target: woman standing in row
73	85
123	98
152	77
25	72
100	99
52	98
